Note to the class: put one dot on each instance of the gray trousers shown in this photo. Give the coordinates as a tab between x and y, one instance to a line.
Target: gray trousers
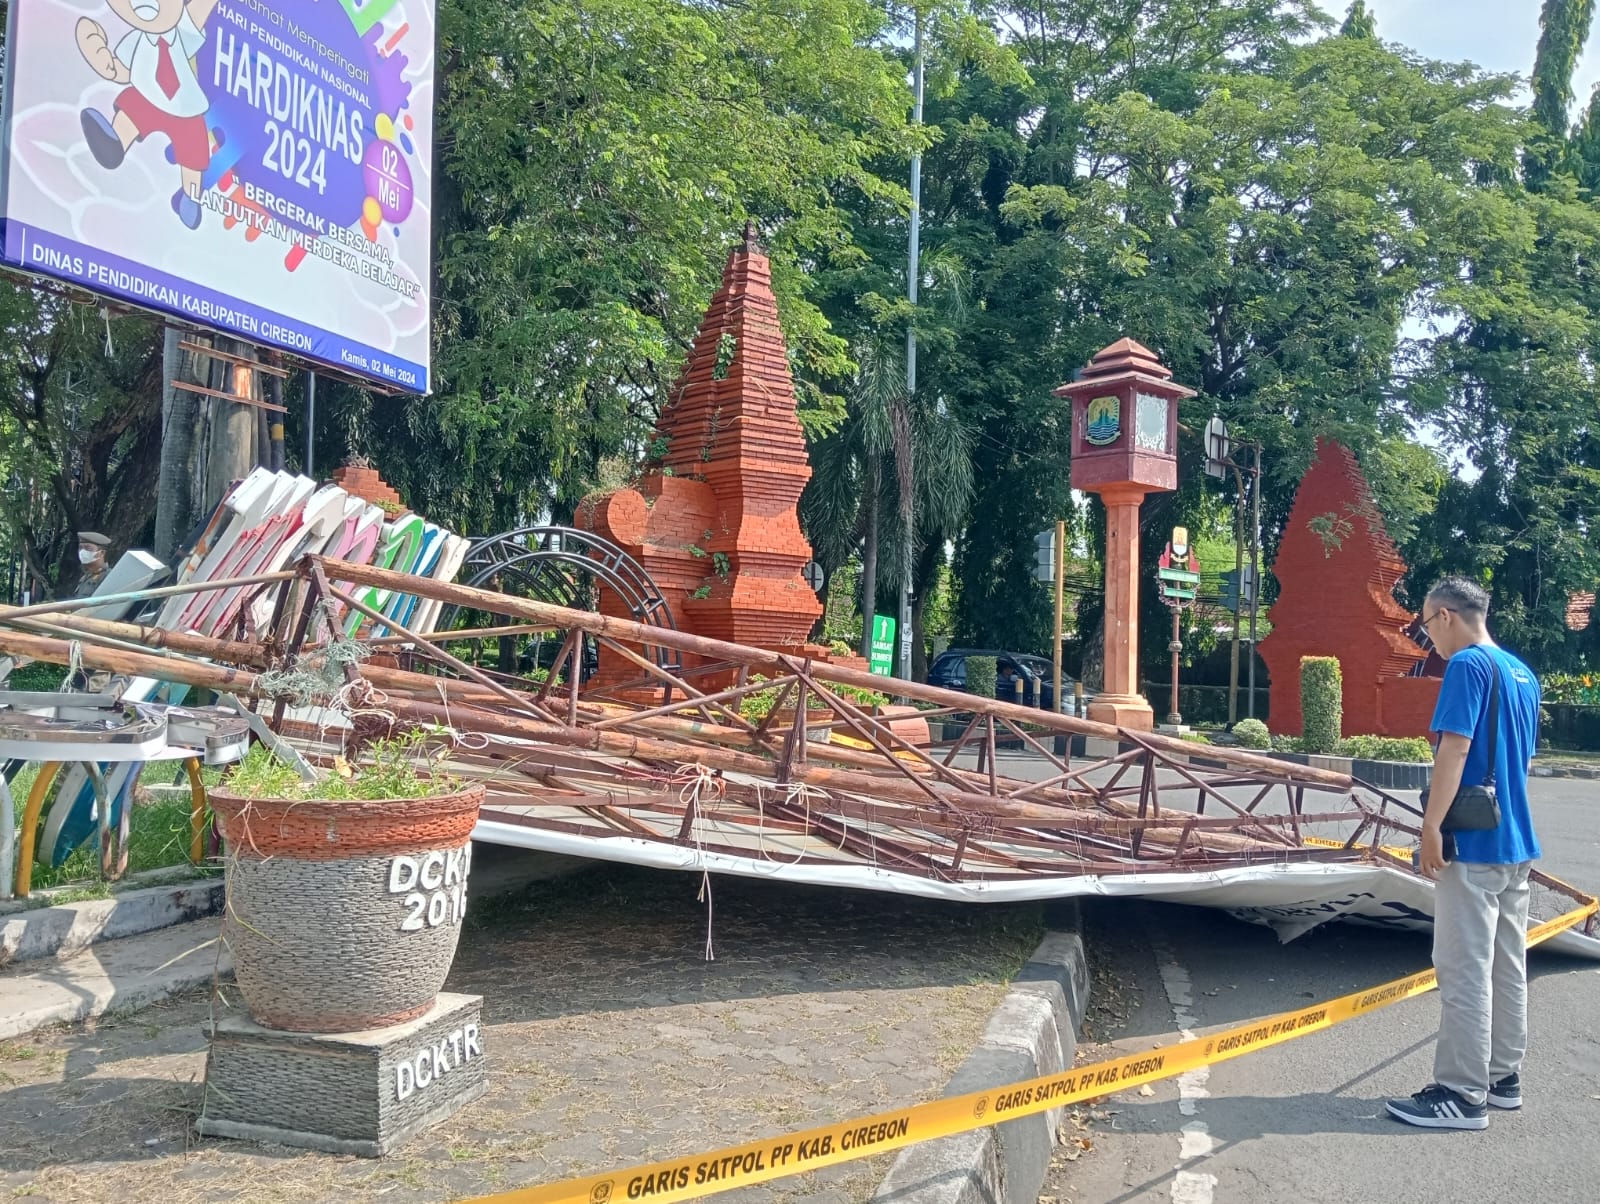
1480	949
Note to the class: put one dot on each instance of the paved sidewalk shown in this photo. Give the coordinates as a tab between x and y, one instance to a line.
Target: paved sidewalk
612	1039
113	976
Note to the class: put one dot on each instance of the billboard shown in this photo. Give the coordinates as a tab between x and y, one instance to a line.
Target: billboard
262	167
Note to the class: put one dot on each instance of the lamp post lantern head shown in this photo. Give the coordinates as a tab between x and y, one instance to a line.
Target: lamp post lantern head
1125	421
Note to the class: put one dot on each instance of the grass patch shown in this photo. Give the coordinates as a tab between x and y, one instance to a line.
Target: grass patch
388	770
158	837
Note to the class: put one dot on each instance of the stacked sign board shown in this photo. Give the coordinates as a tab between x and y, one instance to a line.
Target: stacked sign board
1178	572
257	167
265	524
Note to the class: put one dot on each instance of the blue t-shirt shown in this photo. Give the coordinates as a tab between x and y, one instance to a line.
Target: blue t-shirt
1464	709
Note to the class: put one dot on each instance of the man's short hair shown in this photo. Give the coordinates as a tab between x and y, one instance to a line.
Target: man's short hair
1460	595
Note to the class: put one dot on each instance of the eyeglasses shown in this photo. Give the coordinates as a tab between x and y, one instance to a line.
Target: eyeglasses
1427	619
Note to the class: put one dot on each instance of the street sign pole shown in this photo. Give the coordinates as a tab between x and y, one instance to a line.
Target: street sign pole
1219	459
1255	578
1179	576
1238	572
1055	648
1176	647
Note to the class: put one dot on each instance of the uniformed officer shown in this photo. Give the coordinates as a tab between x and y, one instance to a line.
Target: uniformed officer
92	556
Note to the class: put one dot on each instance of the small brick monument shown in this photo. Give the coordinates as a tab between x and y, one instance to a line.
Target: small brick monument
1337	569
1124	445
359	479
713	518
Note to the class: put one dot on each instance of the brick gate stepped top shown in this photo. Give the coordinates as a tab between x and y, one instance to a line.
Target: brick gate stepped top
1336	599
715	513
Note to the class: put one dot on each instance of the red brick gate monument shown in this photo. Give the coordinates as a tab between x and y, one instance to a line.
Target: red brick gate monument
713	518
1336	570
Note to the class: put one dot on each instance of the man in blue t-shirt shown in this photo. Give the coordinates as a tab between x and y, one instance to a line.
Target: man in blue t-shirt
1481	900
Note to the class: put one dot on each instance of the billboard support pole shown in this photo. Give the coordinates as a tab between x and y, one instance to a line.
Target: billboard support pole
274	450
175	483
311	421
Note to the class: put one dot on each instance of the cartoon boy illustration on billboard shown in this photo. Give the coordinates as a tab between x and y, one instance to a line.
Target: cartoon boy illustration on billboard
162	93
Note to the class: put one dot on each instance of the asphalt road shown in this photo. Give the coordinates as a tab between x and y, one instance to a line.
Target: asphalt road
1305	1121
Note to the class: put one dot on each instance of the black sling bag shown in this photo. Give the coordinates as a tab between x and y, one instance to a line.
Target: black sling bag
1475	808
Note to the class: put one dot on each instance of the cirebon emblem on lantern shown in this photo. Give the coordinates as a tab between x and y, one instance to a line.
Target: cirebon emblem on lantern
1102	421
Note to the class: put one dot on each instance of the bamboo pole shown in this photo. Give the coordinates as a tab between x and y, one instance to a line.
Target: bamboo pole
255	655
222	678
67	605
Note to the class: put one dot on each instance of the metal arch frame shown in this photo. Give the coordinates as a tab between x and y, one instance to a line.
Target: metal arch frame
534	547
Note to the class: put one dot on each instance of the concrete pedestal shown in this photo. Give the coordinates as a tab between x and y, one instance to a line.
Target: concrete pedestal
1120	703
344	1093
1122	710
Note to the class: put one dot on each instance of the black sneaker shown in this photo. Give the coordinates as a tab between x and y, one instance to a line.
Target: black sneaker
1507	1093
1436	1107
102	139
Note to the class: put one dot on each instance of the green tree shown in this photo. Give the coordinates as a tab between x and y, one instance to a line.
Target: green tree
1508	377
892	451
1359	23
1563	31
1510	380
596	161
1584	158
1263	211
80	428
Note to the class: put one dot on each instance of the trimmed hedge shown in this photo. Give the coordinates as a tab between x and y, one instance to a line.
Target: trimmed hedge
1252	733
1411	749
983	673
1321	703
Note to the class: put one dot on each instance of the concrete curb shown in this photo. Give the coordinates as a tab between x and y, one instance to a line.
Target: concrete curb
1385	775
1586	772
119	976
52	932
1033	1032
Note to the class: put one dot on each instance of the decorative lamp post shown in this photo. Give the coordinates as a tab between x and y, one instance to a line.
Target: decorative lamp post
1124	445
1179	574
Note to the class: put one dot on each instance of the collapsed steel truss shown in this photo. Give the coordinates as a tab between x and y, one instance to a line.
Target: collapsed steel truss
818	780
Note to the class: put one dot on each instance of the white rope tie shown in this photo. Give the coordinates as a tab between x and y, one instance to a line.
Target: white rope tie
695	781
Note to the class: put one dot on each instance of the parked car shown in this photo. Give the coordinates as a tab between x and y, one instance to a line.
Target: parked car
949	670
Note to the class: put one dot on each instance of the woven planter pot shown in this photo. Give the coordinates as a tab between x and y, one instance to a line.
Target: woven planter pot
344	916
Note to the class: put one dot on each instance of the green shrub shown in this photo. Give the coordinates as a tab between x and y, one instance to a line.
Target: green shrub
392	768
1386	748
1252	733
983	673
1321	703
36	675
759	704
1288	744
1582	689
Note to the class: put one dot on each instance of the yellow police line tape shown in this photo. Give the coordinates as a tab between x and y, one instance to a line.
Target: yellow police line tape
1322	842
699	1175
